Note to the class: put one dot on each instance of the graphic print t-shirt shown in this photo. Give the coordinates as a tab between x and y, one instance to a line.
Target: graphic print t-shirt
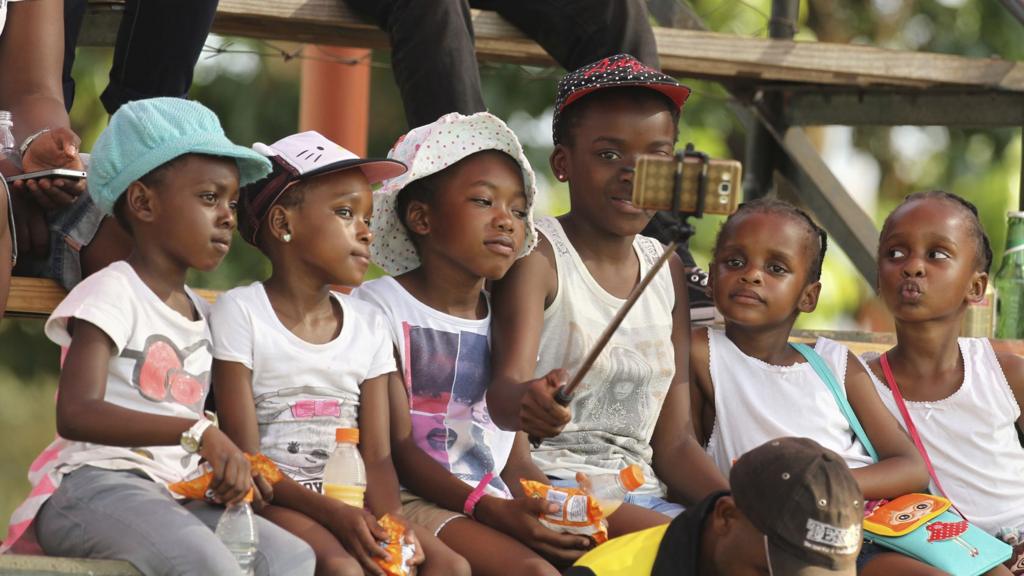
446	364
161	366
302	391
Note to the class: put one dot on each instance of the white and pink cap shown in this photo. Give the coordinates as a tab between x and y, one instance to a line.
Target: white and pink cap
298	157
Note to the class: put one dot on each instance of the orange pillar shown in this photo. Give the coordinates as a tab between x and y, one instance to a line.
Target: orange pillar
335	96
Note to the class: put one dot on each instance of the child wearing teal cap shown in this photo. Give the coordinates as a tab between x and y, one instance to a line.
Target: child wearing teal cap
137	369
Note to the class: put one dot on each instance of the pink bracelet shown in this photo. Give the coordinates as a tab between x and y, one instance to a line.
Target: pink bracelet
476	495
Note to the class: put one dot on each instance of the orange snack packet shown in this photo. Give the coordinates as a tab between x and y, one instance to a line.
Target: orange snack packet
400	552
577	512
197	485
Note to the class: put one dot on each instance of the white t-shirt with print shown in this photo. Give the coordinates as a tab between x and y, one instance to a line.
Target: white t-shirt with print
161	366
446	364
303	391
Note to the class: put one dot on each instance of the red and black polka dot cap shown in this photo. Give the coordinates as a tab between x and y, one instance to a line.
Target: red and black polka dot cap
613	72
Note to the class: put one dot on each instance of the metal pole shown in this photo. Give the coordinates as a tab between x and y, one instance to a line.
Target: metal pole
763	155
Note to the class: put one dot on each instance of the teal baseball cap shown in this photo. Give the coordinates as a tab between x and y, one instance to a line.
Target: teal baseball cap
146	134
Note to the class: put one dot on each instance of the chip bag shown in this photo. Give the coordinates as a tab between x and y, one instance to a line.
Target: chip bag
399	551
197	485
578	513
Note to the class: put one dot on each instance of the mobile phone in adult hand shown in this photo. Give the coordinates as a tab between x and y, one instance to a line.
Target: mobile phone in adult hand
52	173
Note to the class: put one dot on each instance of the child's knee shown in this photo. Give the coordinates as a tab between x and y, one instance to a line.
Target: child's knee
446	564
536	566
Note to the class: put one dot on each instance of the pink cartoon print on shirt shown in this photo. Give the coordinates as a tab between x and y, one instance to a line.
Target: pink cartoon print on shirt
160	373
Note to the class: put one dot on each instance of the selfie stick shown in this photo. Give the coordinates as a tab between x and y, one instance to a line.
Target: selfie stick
564	394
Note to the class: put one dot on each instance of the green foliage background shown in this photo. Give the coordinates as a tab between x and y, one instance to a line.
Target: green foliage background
256	97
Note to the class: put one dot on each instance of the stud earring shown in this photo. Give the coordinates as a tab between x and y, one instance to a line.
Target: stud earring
286	237
560	177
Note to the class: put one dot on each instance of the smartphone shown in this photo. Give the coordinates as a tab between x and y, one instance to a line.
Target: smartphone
53	173
655	176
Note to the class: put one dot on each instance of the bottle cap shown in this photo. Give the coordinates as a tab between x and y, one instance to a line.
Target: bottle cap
632	477
350	435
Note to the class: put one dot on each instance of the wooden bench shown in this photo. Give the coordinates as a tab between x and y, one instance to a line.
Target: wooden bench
48	566
37	297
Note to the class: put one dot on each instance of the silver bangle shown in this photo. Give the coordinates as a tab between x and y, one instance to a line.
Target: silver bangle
28	141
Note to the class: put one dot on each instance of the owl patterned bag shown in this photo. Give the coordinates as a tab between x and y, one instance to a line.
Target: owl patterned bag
927	528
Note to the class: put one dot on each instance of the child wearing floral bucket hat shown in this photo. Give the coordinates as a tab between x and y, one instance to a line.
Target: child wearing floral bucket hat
458	218
137	367
295	360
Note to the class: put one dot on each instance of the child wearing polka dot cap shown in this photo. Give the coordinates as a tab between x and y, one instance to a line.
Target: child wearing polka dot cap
461	216
632	406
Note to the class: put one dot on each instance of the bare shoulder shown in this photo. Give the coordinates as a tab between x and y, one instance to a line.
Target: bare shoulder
855	368
529	276
1013	368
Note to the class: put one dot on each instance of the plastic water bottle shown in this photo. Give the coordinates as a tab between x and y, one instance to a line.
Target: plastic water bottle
1009	281
610	489
237	530
8	147
345	473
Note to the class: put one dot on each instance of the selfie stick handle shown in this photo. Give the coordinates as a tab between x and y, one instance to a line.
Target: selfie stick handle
565	392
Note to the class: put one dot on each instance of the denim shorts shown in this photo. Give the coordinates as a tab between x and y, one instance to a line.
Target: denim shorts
70	230
651	502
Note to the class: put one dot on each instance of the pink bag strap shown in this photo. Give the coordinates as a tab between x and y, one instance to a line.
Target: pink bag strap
902	406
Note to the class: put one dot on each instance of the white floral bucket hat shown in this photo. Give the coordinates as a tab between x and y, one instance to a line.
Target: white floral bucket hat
427	150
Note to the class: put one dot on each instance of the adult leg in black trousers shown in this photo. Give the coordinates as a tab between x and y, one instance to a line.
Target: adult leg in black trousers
158	45
433	58
578	32
432	55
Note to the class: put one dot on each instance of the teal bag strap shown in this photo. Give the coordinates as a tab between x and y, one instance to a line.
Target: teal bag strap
825	373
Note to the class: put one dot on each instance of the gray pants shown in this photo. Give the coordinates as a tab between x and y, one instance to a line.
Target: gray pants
98	513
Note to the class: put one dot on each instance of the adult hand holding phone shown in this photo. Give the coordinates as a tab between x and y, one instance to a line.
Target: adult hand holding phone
56	148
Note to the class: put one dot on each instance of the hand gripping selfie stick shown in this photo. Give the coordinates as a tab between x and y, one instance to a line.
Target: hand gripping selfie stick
681	232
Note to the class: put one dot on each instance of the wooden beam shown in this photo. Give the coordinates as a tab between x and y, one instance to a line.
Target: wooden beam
847	224
927	108
37	297
688	53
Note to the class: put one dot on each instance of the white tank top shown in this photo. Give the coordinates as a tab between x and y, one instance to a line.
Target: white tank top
756	402
971	440
618	403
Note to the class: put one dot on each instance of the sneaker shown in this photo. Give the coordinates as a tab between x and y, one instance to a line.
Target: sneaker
701	306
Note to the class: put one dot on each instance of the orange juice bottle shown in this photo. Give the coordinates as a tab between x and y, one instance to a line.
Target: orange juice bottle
610	489
345	473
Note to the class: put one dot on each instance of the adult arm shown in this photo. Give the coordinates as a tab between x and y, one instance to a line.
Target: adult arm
679	460
515	399
900	469
31	66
